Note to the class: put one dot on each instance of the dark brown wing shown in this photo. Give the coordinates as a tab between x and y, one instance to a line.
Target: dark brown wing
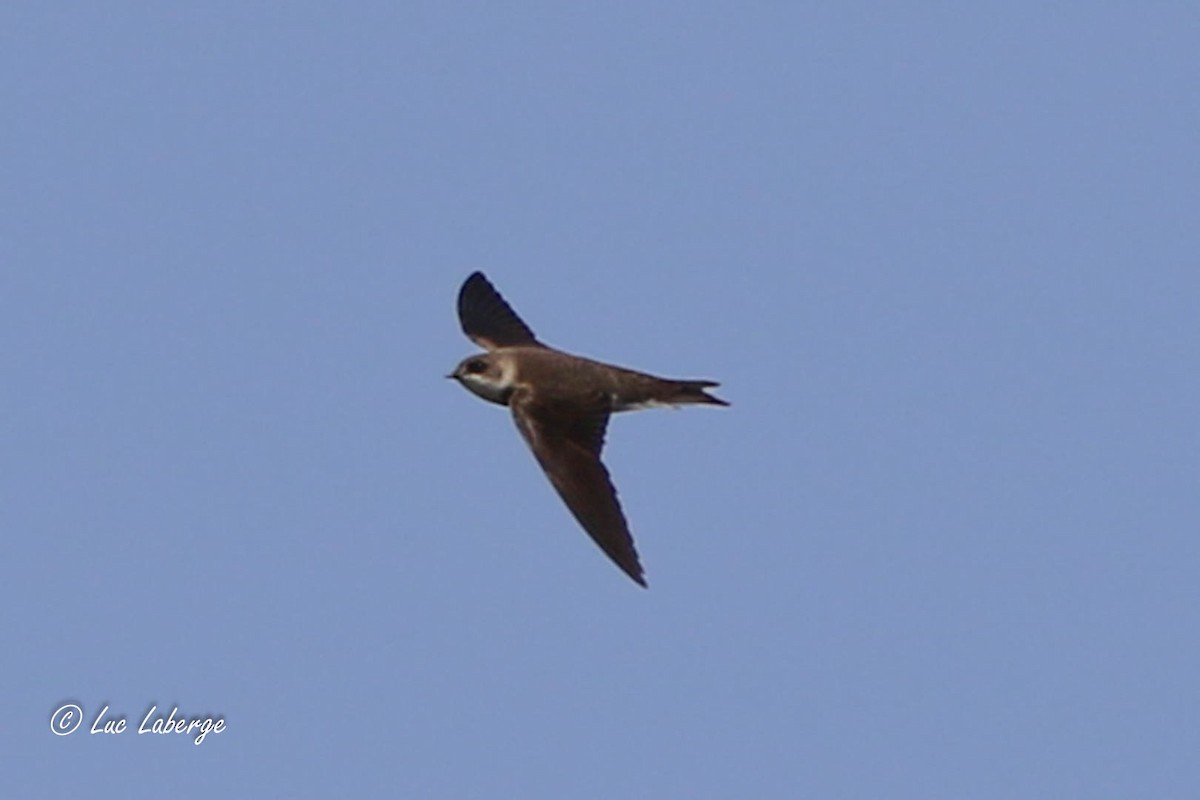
567	440
487	320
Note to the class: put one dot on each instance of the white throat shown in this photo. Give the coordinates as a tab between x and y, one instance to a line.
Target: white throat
492	387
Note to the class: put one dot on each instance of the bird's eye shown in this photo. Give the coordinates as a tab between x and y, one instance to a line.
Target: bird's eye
476	366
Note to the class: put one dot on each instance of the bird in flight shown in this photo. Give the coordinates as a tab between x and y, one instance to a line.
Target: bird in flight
561	404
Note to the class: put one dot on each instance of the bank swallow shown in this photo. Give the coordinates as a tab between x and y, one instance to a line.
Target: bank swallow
561	404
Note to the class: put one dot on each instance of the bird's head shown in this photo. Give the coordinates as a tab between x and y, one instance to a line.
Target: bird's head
488	375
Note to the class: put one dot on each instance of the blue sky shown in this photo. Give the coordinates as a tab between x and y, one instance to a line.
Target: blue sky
943	260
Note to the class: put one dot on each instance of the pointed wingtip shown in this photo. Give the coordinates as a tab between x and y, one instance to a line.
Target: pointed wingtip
486	317
473	279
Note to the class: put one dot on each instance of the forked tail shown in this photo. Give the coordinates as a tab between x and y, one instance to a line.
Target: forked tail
685	392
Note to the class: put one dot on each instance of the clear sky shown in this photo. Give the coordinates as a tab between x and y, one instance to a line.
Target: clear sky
944	259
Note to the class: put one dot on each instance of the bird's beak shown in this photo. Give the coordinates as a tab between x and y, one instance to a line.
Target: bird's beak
451	376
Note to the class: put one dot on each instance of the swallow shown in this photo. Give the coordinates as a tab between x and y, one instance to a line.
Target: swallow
561	404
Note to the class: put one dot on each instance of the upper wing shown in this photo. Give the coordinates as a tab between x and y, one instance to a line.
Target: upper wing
487	320
566	442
